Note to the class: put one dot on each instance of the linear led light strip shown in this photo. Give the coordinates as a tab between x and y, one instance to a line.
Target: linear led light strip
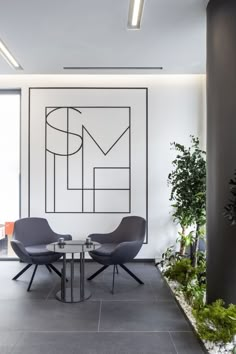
135	13
8	56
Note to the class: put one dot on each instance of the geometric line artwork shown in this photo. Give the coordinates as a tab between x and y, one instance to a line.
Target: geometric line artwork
87	156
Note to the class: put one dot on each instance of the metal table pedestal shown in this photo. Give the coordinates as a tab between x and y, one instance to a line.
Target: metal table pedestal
71	295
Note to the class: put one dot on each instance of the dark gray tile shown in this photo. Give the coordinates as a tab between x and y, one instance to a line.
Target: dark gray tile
47	322
160	287
95	343
146	271
43	283
50	315
142	316
161	290
90	267
50	343
125	289
46	284
8	341
186	343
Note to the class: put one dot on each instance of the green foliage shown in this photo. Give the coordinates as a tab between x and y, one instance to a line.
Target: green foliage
195	294
201	268
181	271
186	239
230	208
191	279
169	257
168	254
188	193
188	181
216	322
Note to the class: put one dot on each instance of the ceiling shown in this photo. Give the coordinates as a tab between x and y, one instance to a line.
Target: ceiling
47	35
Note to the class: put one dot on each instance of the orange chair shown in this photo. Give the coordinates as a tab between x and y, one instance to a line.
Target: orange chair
9	227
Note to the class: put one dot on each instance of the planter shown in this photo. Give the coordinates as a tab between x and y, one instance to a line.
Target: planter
209	347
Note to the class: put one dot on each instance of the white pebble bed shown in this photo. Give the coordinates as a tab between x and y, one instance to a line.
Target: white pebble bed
211	347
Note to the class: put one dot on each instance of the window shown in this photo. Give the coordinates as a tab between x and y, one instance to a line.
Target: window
9	166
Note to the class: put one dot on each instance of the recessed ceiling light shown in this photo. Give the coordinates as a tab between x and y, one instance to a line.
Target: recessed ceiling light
8	56
135	13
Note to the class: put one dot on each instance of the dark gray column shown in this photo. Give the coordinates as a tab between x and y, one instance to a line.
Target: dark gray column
221	147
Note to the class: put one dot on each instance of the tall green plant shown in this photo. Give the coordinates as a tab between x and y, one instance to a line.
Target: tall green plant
188	193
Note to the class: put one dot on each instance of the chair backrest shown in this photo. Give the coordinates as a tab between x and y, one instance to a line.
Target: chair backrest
32	231
131	228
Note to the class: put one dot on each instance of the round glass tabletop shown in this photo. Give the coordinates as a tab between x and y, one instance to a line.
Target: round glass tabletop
74	246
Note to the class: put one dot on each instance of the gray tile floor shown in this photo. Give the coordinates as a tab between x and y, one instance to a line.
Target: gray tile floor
137	319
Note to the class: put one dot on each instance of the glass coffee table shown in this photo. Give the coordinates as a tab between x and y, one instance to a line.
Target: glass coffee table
72	294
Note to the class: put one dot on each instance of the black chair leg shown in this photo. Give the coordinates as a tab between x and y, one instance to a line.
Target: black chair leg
98	272
56	271
113	279
48	268
117	272
32	278
22	272
131	274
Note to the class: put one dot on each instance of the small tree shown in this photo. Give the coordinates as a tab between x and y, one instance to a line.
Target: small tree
188	181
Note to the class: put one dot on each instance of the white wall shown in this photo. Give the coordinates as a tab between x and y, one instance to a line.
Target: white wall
176	110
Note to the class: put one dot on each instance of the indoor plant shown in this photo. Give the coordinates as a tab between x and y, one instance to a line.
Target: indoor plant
188	194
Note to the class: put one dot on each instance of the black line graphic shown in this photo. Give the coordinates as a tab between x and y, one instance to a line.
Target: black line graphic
146	241
32	92
64	132
107	152
100	189
109	189
67	147
67	153
45	156
54	178
82	167
94	208
130	159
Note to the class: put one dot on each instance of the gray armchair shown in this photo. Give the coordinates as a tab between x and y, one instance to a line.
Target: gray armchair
30	238
119	246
